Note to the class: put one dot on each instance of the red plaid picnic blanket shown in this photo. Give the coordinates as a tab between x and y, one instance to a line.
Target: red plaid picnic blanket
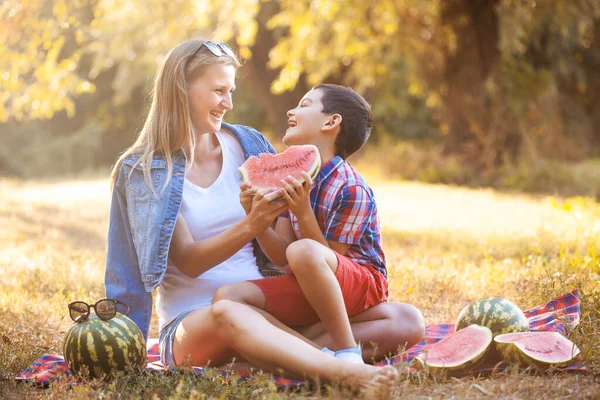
558	315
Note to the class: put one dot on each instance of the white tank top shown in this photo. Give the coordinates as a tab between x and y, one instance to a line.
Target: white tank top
208	212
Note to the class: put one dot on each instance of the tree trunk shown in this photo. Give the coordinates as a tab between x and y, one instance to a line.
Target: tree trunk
475	25
590	65
259	77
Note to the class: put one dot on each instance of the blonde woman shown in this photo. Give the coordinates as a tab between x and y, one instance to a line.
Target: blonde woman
176	223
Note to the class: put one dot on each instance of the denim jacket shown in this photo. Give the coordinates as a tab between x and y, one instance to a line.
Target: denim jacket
141	226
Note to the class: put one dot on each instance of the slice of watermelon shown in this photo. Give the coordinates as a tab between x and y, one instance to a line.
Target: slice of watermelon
267	170
537	349
458	353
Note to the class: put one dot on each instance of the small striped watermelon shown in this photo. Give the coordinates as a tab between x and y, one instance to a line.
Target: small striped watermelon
96	349
267	170
497	313
540	350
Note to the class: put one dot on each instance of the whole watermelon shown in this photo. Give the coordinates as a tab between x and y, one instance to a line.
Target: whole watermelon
96	349
497	313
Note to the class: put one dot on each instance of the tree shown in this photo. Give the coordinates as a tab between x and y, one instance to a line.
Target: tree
469	61
493	75
288	45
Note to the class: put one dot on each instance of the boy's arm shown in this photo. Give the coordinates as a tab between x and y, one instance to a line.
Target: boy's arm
274	241
309	228
297	195
349	216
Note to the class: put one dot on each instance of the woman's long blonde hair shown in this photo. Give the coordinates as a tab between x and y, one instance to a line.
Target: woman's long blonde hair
168	127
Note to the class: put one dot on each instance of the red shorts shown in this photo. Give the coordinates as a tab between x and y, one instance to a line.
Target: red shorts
362	287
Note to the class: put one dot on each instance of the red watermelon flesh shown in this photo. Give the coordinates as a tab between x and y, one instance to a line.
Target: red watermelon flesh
537	348
459	352
267	170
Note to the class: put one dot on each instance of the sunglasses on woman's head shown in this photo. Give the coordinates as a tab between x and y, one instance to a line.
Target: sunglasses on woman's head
218	49
105	309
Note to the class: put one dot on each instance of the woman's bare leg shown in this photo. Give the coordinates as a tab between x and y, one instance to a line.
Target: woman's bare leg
249	294
314	266
227	329
382	329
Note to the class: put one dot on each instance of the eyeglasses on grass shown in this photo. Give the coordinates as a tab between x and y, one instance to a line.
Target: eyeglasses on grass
105	309
218	49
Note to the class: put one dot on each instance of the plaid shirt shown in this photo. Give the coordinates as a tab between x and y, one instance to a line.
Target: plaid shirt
347	213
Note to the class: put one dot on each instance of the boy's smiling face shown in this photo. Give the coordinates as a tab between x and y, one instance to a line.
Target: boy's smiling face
306	120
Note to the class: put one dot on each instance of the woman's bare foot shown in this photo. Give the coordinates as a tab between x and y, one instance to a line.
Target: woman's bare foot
375	382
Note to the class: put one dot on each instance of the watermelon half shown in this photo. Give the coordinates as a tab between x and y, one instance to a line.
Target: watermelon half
537	349
458	353
267	170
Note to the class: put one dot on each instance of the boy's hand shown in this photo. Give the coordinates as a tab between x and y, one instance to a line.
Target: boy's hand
297	194
247	193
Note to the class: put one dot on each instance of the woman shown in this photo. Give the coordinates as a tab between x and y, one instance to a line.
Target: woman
180	177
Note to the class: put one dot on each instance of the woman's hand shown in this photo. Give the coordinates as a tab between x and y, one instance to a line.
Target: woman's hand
267	204
247	193
297	194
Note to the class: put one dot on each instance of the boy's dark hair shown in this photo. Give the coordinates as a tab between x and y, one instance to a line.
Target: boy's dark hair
356	117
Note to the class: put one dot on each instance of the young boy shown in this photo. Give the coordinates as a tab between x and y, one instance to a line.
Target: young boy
331	236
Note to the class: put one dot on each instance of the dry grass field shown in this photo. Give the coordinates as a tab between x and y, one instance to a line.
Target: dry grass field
445	246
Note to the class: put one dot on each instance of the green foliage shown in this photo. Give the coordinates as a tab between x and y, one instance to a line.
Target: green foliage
400	107
39	74
32	151
421	160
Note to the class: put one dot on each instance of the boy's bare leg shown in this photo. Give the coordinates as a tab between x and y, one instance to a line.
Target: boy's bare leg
383	330
314	266
227	329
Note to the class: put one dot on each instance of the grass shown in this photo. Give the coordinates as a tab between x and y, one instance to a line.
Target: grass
445	247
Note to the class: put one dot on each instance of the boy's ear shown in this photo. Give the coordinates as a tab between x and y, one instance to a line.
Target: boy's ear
333	123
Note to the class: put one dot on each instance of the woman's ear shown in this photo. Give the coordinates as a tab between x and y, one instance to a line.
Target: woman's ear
333	123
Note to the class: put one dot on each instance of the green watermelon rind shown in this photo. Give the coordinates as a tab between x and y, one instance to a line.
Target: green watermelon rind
515	352
458	367
118	341
505	316
313	170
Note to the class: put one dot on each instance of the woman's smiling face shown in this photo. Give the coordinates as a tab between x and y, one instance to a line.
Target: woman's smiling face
209	97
